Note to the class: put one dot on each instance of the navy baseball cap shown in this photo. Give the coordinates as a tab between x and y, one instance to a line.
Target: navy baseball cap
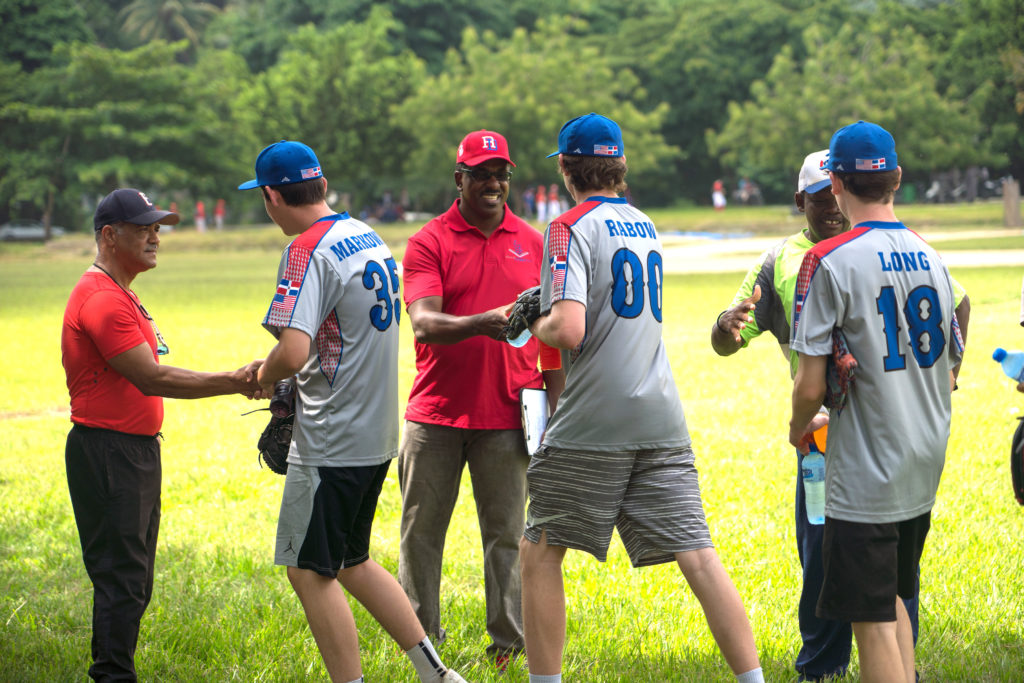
591	135
284	163
128	205
861	147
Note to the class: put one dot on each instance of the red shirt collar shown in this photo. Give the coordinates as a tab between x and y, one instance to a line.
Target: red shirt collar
454	219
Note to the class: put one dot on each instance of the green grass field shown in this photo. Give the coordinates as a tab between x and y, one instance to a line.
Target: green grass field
222	611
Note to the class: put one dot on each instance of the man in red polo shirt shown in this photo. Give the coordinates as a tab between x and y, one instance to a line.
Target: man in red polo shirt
460	272
110	347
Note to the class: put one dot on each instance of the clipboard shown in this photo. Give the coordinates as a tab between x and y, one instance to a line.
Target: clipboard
534	406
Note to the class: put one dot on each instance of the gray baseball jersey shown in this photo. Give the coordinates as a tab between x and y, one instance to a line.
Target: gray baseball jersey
619	392
338	283
892	297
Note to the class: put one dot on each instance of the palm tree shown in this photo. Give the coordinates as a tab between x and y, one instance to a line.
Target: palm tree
167	19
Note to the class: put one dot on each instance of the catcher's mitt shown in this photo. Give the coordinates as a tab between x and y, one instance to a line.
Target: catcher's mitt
839	372
275	441
525	310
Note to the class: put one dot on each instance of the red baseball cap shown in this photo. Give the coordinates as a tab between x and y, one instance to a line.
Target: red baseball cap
481	145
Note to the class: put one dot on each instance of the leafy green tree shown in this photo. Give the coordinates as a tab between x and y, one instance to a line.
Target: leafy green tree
30	28
99	119
334	89
977	65
525	87
872	72
698	57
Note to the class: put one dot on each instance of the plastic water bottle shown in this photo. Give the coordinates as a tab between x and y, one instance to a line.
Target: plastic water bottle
521	340
1012	362
812	469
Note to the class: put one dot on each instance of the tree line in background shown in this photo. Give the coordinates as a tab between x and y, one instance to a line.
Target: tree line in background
177	96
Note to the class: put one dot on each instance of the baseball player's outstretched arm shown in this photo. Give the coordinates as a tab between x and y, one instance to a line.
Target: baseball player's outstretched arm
433	326
725	334
152	379
564	326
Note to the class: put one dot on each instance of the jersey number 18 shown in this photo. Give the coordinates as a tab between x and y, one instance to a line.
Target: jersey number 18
924	322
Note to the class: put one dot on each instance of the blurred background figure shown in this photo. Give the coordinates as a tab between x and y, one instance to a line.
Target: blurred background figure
718	195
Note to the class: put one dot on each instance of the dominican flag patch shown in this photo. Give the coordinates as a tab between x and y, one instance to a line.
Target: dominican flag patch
606	150
308	173
871	164
284	299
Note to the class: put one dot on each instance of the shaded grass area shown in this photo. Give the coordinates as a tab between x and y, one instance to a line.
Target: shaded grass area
222	611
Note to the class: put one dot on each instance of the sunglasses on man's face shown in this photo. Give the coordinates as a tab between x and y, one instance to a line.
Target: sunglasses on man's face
482	175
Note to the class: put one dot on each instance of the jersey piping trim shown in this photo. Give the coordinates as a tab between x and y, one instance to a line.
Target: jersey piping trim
573	215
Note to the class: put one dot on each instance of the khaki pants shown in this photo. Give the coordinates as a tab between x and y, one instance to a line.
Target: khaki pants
430	465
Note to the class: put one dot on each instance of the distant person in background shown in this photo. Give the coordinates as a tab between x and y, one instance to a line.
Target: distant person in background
110	348
200	216
528	203
218	214
554	202
718	195
459	272
542	204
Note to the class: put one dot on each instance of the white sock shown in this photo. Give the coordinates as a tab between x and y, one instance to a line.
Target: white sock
752	676
358	680
428	665
552	678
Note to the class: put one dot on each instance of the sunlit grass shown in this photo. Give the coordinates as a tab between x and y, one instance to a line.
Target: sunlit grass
222	611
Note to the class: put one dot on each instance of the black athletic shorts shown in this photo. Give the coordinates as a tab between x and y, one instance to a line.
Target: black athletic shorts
326	516
868	565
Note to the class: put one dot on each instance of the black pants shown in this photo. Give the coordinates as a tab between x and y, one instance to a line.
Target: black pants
114	481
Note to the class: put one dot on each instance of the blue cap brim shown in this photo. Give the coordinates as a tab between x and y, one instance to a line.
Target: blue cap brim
249	185
553	154
818	186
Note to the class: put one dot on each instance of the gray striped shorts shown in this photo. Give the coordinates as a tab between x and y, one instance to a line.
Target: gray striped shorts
651	497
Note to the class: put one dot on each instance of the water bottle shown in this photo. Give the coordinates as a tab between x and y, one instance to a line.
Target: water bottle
520	341
812	469
1012	362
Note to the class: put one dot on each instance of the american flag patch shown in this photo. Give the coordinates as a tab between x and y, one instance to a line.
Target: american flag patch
606	150
308	173
558	257
284	299
871	164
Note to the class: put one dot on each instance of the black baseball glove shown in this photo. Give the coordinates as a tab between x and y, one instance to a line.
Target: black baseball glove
840	370
525	310
275	441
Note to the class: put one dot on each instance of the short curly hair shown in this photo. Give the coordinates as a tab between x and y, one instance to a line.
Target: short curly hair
596	173
871	187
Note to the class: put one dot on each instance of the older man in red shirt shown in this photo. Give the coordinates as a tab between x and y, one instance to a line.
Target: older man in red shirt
110	347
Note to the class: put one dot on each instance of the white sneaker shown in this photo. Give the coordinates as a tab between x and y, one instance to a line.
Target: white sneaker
451	677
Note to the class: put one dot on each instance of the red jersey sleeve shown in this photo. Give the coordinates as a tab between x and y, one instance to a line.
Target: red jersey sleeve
421	269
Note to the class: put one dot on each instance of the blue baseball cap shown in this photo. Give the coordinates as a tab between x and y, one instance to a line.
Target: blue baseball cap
284	163
591	135
861	147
